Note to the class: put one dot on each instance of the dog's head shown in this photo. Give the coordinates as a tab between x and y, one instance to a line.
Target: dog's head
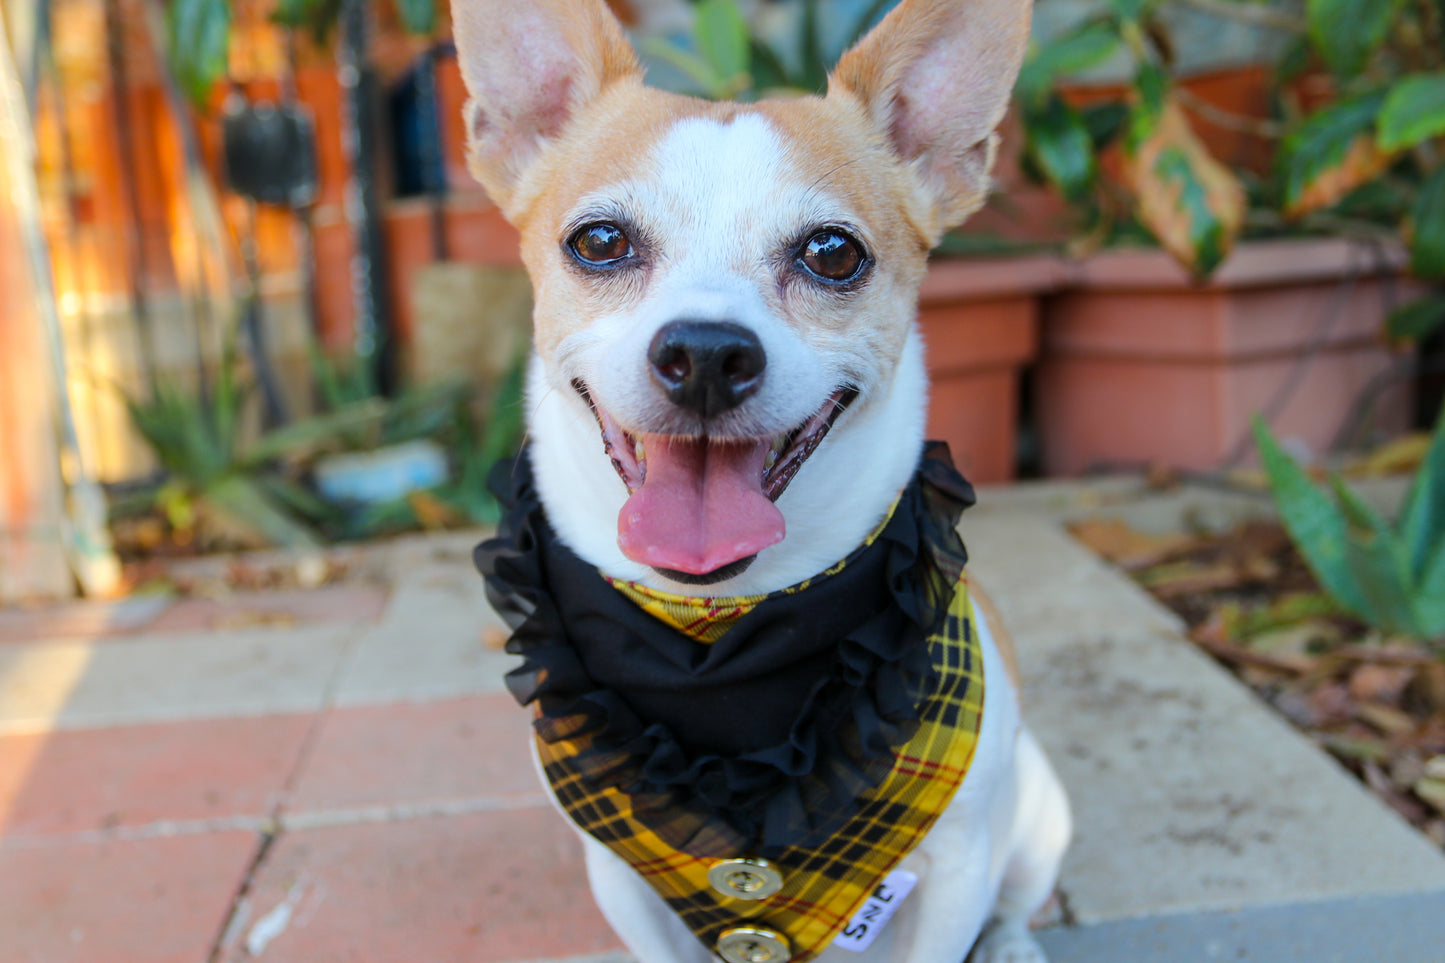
720	287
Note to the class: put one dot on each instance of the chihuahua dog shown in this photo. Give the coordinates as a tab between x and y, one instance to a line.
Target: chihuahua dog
729	292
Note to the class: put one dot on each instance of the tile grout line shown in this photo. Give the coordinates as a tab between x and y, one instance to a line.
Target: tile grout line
275	826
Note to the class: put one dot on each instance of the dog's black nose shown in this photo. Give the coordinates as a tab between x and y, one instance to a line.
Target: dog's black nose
707	367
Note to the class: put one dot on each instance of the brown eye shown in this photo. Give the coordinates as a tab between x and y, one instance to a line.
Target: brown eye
833	256
600	244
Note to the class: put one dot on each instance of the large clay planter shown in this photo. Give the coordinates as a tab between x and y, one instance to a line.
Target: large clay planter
980	322
1141	366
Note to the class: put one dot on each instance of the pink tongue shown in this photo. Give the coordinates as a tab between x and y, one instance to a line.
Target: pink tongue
701	505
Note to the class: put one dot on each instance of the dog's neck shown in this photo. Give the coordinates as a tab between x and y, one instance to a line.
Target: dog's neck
838	498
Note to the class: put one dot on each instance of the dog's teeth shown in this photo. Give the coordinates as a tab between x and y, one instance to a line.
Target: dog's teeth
637	450
772	460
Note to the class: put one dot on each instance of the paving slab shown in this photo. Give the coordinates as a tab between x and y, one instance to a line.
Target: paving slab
161	900
368	760
1190	795
480	888
84	619
162	776
76	684
433	641
1399	929
279	608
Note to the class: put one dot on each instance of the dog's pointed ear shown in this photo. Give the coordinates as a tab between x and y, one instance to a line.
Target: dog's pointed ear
529	67
935	78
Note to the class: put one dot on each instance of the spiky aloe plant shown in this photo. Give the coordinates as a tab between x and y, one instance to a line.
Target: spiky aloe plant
1392	576
198	440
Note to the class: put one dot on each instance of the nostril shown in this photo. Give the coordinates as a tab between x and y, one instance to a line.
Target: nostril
707	366
672	364
743	364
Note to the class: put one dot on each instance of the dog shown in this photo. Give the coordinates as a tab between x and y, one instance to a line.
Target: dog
728	293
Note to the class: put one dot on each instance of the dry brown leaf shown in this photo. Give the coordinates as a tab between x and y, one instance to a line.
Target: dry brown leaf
1127	546
1392	458
1373	682
1433	792
1188	578
1429	687
253	619
1294	646
1389	720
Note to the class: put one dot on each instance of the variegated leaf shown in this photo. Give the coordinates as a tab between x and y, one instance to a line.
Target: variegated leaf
1333	152
1192	204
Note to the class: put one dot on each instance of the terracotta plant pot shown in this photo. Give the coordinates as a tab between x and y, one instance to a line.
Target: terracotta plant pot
1142	365
980	321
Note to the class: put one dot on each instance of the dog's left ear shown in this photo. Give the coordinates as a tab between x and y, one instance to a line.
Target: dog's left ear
935	78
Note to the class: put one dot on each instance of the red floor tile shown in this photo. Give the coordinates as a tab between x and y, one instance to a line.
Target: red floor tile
160	900
89	779
484	888
276	607
458	749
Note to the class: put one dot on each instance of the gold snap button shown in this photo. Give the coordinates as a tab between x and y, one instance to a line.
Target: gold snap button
753	944
745	878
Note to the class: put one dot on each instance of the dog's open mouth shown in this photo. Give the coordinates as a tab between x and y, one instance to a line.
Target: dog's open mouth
701	507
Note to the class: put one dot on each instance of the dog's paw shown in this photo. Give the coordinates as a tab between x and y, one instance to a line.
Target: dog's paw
1006	944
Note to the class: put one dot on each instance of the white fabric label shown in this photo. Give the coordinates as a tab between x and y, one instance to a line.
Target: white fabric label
876	911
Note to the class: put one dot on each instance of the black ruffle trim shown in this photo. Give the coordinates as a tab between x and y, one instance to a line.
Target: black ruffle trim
791	793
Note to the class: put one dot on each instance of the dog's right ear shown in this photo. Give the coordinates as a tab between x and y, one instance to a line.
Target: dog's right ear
529	67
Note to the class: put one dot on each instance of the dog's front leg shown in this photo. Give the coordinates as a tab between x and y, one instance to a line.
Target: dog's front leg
651	931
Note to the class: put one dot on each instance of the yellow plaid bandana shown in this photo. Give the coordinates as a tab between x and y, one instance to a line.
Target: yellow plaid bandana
823	886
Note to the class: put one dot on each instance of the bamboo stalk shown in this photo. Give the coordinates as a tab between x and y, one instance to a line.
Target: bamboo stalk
86	539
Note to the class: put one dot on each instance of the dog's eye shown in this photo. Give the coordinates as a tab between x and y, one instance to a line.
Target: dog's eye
600	244
832	256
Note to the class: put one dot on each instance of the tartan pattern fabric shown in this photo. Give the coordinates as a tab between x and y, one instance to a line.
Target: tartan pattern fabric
824	886
706	620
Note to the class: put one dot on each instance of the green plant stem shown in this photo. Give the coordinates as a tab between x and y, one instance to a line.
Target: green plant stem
1256	15
1228	119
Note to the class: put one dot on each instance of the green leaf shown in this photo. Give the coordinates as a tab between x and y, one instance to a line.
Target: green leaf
1193	205
1422	523
1427	232
1105	121
302	437
1414	111
1347	32
1417	320
696	68
1322	145
1430	598
1312	520
1067	54
417	16
1380	565
1130	9
722	40
297	13
814	76
200	34
244	503
1151	84
1060	147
